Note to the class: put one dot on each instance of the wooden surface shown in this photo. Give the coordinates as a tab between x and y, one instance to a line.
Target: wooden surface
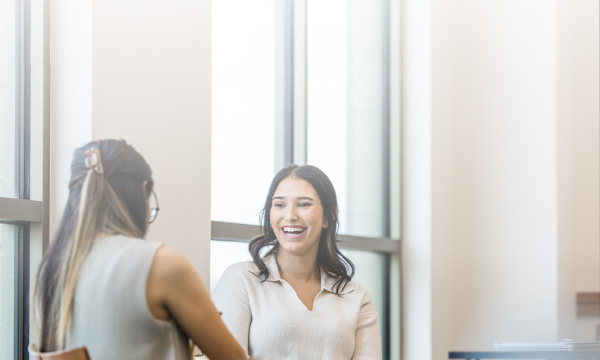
588	304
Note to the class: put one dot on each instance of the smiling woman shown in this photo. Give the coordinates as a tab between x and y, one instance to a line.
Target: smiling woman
298	301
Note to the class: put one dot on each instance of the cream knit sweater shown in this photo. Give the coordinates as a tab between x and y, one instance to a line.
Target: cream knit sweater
270	322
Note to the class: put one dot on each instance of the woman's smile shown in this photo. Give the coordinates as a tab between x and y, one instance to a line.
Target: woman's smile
293	231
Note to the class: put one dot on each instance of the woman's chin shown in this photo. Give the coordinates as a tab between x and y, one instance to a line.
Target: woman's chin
295	249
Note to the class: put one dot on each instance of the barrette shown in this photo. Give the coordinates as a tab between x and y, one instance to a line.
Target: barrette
94	160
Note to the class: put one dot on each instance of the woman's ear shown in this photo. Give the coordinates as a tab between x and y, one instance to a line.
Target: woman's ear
326	223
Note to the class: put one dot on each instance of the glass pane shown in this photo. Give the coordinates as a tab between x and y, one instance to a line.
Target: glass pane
326	95
7	290
243	108
222	255
7	99
371	269
8	286
347	108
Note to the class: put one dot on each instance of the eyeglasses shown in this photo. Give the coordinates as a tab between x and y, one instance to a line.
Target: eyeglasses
153	209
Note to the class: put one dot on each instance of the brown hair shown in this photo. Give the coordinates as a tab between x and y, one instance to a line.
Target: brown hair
110	201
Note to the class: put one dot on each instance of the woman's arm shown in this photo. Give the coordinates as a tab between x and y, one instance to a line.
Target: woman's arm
368	336
174	289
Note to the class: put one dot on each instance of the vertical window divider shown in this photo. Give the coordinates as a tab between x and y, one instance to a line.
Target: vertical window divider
395	173
386	118
23	98
300	83
284	83
22	183
387	171
21	302
46	128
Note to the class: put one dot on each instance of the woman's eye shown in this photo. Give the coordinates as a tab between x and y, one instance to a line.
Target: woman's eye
279	205
303	204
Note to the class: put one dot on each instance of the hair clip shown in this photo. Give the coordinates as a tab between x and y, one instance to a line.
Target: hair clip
94	160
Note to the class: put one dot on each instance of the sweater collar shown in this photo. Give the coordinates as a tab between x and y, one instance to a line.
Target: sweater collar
327	282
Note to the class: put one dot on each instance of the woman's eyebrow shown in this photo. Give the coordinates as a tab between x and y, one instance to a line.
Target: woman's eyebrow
298	198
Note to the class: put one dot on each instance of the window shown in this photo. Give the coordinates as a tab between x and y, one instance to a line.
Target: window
243	102
310	82
23	165
7	285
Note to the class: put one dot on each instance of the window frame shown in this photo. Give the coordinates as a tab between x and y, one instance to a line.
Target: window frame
21	211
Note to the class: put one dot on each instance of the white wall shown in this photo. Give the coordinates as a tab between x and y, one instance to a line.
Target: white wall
150	85
487	256
417	297
70	94
578	121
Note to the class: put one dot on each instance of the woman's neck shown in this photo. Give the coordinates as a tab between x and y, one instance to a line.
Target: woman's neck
298	268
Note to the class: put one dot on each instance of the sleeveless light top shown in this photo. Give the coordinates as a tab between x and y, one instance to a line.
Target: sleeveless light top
110	314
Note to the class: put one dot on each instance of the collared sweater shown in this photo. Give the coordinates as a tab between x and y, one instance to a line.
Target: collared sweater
271	322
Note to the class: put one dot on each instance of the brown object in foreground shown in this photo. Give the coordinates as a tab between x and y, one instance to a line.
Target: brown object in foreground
79	353
588	304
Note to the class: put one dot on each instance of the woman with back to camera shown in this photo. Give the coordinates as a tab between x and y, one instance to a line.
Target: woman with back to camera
102	286
299	300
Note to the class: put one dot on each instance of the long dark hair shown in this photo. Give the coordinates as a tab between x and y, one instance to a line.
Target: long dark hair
104	199
329	258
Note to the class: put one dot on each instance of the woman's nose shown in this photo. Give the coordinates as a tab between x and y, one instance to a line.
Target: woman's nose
291	213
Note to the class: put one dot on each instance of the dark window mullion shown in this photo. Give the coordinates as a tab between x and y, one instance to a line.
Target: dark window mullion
386	119
284	84
385	317
22	173
386	346
21	297
23	99
46	127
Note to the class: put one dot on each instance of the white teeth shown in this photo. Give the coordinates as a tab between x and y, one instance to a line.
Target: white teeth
293	230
